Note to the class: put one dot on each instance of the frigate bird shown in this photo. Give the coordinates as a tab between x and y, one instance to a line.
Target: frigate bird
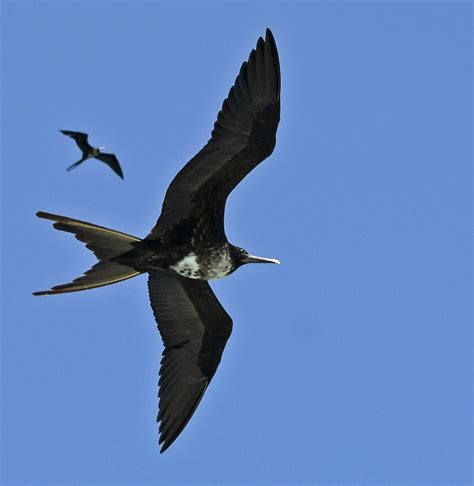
89	152
188	245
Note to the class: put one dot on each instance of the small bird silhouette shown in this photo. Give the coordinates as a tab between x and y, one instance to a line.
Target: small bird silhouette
89	152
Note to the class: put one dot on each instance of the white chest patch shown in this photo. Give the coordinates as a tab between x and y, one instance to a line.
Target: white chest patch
211	266
187	267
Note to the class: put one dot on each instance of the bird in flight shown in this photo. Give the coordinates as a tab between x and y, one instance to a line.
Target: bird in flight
188	245
89	152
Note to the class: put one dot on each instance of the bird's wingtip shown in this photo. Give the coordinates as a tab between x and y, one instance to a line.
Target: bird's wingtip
166	444
269	34
41	292
164	447
44	215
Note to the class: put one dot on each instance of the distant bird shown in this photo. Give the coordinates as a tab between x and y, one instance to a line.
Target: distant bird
188	246
89	152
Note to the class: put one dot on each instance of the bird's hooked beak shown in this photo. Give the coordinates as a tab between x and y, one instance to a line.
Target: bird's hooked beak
257	259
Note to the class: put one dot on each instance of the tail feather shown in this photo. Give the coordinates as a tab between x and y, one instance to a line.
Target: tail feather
105	243
101	274
73	166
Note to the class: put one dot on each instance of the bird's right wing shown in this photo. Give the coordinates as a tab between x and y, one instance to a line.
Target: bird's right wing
195	329
112	161
243	136
80	138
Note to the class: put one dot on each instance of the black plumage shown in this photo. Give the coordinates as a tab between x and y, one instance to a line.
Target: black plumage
89	152
188	245
195	328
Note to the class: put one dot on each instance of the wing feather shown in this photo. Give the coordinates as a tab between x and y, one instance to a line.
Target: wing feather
194	328
242	137
112	161
80	139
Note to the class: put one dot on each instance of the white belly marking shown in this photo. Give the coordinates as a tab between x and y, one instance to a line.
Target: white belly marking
187	267
211	266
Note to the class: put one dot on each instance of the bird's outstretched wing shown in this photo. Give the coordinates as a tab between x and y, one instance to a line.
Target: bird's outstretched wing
243	136
80	138
194	328
112	162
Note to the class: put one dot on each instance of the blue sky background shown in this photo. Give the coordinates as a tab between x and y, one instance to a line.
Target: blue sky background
349	363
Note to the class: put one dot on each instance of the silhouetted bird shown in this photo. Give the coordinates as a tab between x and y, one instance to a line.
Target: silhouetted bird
89	152
188	245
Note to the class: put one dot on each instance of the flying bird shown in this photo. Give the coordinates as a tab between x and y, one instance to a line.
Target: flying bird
188	245
89	152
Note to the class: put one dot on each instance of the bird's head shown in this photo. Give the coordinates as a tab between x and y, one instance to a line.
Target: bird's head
100	149
241	257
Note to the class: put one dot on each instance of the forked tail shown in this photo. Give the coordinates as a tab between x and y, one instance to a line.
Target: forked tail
73	166
105	243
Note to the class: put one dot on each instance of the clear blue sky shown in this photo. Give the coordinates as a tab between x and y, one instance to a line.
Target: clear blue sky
350	362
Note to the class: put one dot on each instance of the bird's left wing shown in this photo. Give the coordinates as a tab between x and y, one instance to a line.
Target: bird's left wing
80	138
112	161
195	329
243	136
